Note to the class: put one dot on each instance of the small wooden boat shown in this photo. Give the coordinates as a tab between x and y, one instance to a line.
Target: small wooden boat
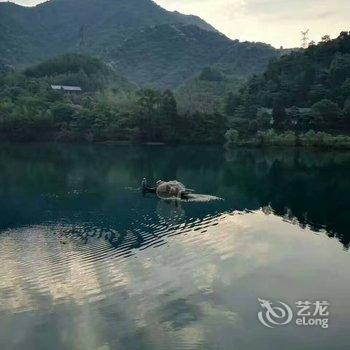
149	190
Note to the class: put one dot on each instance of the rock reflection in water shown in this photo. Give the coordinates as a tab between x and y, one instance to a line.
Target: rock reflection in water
89	263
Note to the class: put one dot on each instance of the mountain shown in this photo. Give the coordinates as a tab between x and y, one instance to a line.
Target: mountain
166	55
148	44
206	92
29	34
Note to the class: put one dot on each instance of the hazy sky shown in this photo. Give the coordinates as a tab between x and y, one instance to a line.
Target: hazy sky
277	22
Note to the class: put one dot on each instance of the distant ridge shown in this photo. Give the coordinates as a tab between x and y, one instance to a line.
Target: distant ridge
148	44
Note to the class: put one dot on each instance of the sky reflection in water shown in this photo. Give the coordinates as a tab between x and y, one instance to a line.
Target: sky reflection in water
88	263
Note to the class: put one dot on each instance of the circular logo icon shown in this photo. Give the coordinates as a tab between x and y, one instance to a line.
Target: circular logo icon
274	315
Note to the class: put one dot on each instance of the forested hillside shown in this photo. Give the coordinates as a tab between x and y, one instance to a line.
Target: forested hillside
206	92
306	77
149	45
161	76
164	56
73	69
108	108
29	34
306	90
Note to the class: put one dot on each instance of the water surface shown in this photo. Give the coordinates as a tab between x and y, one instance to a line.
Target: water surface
87	262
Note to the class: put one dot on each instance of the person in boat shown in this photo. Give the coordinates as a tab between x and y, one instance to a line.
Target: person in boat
144	184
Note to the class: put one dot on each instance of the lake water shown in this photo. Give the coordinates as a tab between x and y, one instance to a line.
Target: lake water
87	262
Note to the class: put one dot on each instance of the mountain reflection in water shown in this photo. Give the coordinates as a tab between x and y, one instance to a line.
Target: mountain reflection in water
90	188
87	262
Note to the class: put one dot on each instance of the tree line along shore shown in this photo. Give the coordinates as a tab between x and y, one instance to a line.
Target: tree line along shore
302	99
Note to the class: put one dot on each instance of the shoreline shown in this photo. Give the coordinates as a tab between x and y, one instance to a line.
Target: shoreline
290	139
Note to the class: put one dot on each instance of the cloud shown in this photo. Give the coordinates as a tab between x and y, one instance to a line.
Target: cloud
25	2
278	22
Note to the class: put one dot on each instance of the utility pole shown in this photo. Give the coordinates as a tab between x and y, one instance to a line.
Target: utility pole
305	39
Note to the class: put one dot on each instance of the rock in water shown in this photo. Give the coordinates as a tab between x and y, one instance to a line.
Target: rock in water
170	189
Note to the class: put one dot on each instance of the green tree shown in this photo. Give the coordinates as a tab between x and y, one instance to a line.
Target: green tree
326	39
148	116
62	112
318	92
278	114
168	105
346	112
345	89
231	103
232	136
340	68
325	112
211	74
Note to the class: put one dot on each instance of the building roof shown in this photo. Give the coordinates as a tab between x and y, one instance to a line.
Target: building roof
66	88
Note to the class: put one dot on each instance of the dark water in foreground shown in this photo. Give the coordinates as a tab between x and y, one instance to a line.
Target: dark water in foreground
87	262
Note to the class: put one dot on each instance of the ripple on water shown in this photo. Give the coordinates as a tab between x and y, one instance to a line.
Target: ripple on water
80	263
195	198
38	270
